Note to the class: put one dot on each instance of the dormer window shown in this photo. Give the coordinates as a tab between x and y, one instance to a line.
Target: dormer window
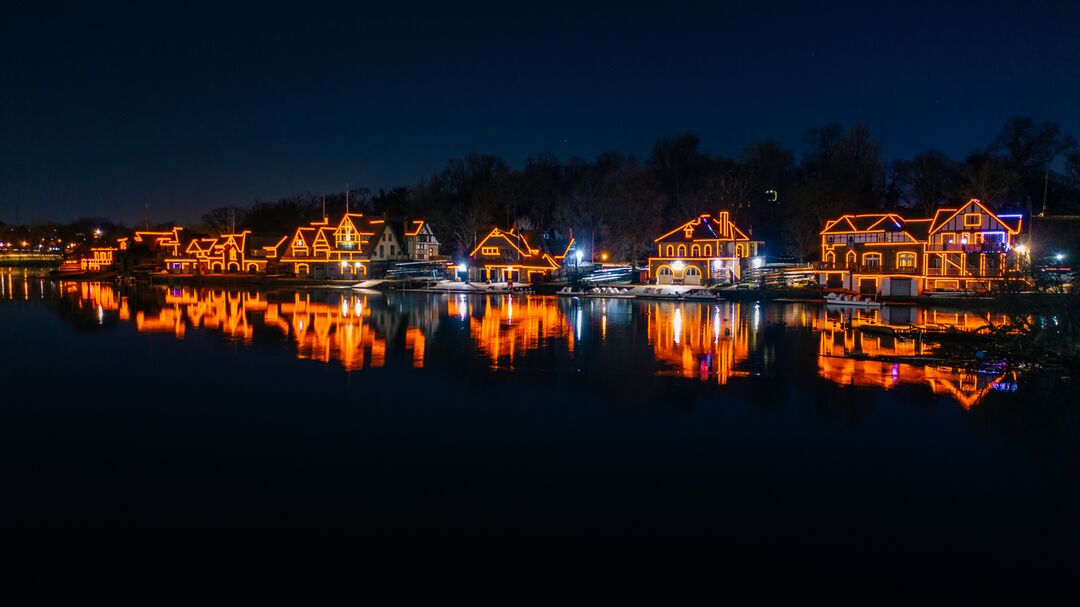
689	231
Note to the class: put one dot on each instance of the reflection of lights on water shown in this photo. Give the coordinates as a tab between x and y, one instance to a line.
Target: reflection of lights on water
100	314
716	325
463	307
603	327
677	322
509	309
344	307
358	307
578	322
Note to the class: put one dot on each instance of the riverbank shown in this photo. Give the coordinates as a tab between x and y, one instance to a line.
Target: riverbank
621	291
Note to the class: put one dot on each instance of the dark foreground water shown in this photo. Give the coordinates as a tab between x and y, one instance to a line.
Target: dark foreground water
181	438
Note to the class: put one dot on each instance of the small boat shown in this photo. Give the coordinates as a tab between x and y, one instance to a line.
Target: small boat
840	299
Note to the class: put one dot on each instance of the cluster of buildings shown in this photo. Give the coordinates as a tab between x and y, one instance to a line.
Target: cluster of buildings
968	248
353	247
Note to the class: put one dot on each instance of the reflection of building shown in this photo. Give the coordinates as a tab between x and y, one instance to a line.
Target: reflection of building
700	341
505	327
512	255
849	357
969	248
343	328
704	249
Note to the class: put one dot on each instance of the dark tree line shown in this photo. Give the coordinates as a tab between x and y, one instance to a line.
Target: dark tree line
617	203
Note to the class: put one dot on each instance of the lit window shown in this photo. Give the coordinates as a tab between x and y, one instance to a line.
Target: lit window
489	250
972	220
905	260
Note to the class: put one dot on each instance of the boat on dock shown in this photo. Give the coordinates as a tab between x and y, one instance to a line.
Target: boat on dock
842	299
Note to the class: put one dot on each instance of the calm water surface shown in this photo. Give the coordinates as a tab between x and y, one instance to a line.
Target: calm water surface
208	433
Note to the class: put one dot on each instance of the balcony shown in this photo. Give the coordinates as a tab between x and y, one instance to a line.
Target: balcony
952	271
866	268
955	247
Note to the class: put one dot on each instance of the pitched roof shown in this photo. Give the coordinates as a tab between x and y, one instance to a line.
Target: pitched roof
706	227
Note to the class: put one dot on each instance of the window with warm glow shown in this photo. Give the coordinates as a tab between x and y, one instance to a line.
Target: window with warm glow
905	260
489	251
972	220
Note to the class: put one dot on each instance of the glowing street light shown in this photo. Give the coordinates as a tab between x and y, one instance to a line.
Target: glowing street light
1059	256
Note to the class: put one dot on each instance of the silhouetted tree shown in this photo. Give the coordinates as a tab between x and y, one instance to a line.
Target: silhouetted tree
927	181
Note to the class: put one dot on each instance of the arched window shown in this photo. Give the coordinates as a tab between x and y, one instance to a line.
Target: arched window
695	251
682	250
905	260
872	260
670	251
708	250
739	250
850	258
830	257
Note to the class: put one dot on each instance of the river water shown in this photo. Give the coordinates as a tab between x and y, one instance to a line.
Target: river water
201	434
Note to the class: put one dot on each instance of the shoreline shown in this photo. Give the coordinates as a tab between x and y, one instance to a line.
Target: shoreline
777	295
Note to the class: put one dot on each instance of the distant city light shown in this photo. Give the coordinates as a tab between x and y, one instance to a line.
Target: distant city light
603	257
1059	256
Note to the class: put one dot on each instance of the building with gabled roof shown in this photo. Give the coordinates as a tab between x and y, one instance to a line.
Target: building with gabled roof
705	249
518	256
968	248
357	246
233	252
323	249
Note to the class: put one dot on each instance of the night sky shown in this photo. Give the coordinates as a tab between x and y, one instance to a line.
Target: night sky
103	110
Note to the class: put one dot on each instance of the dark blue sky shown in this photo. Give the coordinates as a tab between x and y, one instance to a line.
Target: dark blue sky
190	108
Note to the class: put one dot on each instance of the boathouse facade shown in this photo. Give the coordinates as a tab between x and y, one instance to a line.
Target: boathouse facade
968	248
705	250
